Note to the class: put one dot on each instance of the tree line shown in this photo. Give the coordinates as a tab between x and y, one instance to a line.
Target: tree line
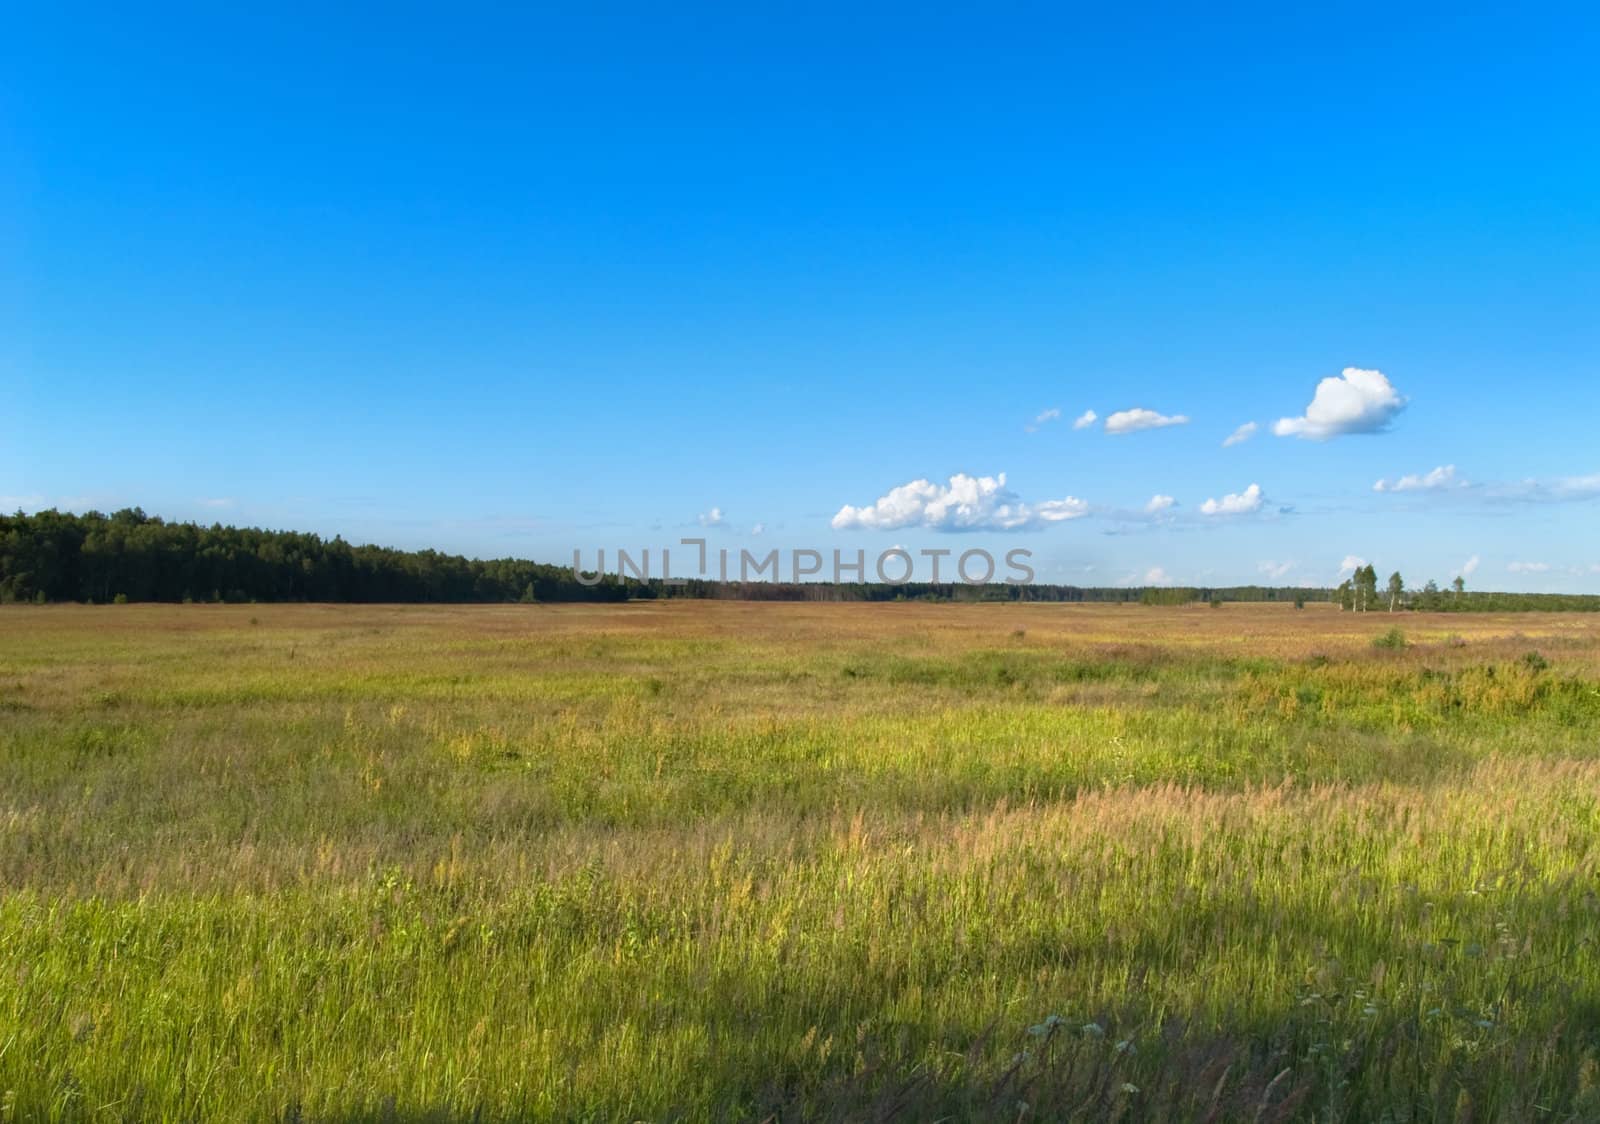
131	556
1359	593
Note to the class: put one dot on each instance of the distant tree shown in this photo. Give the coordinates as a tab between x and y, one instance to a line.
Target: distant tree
1459	585
1365	581
1346	596
1397	586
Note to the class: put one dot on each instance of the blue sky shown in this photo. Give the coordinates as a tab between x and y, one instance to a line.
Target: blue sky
580	276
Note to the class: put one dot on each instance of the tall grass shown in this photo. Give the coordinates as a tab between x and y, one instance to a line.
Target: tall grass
708	861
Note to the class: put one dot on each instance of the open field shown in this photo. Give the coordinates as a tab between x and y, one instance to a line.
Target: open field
699	860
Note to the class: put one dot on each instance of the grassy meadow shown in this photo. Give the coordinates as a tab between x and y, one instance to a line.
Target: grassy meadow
694	861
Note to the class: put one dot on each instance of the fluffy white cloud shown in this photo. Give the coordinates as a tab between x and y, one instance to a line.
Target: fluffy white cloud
1351	563
1235	503
1241	435
1528	567
1059	511
1085	419
1356	401
1442	477
1275	570
1158	503
1131	421
1470	566
1155	575
966	503
1045	417
713	518
758	529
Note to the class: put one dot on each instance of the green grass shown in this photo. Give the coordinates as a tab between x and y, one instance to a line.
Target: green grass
711	861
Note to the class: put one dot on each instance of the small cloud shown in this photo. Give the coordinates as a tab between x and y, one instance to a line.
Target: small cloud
1275	570
1442	477
1558	490
1235	503
1470	566
1085	419
1057	511
1351	563
1155	575
217	503
1528	567
1355	401
712	518
758	529
1577	487
1042	419
1131	421
1158	503
1241	435
966	503
21	503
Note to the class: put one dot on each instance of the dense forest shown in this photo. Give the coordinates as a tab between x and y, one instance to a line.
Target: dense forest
131	556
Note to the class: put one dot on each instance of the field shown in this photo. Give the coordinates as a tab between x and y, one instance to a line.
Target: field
692	860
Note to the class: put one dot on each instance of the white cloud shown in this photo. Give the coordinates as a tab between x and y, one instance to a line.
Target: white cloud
1235	503
1528	567
966	503
1275	570
217	503
1158	503
1241	435
1045	417
1557	490
758	529
1131	421
1356	401
713	518
1058	511
1085	419
1470	566
1351	563
1155	575
1442	477
1577	487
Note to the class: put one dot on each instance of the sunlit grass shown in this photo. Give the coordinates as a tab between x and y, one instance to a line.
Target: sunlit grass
699	861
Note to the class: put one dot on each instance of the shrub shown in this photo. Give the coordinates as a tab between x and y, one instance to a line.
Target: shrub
1393	640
